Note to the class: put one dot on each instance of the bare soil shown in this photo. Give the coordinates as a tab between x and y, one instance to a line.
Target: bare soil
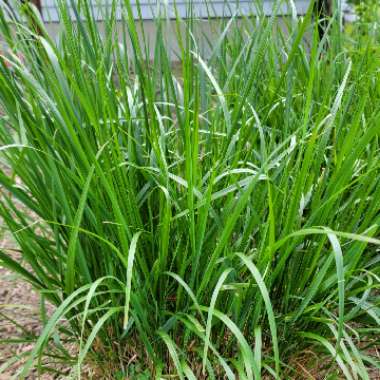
19	317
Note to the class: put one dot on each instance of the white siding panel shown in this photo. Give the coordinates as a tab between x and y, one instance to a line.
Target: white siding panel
201	8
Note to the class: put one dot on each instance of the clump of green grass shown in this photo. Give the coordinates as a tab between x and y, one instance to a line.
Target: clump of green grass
211	224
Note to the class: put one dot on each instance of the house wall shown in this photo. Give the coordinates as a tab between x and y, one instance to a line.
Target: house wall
204	29
208	12
148	9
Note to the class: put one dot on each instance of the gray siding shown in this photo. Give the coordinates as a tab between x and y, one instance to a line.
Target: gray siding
201	8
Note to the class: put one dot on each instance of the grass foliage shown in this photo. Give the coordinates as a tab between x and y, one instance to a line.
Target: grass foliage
219	220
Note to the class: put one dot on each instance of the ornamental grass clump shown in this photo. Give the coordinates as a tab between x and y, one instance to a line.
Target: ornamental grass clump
218	219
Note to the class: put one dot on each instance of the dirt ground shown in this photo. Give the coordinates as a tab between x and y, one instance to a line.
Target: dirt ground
19	318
